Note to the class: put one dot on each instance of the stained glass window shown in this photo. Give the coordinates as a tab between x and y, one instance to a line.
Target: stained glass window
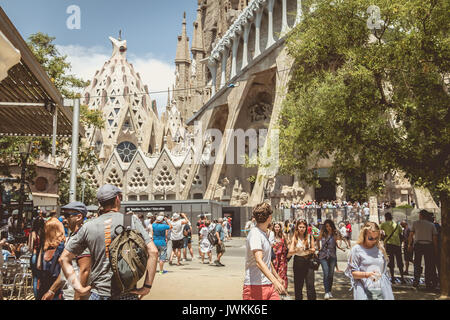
126	151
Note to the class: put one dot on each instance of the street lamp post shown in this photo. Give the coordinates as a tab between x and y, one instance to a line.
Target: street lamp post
24	150
83	186
74	157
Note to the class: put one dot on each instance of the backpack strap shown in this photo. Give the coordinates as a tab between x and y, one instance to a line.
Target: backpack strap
390	236
127	221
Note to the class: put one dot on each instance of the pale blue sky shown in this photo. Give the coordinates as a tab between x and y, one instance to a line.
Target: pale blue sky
150	27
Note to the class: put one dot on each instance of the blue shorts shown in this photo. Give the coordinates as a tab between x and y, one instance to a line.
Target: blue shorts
186	242
162	251
129	296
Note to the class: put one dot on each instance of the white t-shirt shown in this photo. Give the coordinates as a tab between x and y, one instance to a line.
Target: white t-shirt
343	231
272	238
366	211
225	226
257	240
177	230
249	225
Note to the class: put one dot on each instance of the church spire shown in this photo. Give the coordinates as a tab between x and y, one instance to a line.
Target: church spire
197	39
183	45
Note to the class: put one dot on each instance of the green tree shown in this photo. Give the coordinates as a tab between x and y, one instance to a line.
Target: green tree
372	101
58	69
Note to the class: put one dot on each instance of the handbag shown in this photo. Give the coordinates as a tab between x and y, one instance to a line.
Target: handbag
314	262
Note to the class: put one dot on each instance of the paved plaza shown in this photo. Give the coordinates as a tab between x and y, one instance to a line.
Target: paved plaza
196	281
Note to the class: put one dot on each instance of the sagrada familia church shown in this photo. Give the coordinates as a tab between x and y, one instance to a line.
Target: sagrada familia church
233	74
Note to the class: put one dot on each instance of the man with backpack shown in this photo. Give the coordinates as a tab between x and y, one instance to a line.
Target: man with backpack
99	236
393	243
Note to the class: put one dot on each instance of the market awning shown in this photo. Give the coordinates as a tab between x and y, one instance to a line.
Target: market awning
9	56
29	102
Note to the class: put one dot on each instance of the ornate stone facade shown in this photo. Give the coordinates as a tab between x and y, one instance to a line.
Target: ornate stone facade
233	77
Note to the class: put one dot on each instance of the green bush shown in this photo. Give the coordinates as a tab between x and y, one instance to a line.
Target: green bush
404	206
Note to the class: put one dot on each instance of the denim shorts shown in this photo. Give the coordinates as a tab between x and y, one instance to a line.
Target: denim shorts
95	296
186	241
162	251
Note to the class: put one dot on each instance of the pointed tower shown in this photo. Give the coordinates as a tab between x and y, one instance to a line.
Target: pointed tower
117	90
198	51
182	63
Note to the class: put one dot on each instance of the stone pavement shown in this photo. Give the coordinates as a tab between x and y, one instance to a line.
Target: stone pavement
196	281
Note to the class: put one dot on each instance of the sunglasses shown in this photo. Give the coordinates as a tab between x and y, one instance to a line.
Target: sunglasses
373	239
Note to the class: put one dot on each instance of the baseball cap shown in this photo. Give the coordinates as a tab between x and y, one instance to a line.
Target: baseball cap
149	215
107	192
159	218
175	216
15	212
76	206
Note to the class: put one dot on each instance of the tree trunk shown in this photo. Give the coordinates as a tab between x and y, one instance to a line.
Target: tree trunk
445	248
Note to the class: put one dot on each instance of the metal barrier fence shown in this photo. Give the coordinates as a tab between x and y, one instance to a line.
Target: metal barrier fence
353	215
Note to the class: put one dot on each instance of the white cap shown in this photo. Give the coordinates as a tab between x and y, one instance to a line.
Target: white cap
159	218
175	216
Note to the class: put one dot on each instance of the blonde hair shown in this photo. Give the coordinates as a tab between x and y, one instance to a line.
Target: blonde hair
54	233
373	227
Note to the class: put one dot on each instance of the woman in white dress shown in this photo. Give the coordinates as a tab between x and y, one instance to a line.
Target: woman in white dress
205	245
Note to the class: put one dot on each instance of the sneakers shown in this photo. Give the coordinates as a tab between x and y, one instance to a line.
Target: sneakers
163	272
217	262
330	295
327	296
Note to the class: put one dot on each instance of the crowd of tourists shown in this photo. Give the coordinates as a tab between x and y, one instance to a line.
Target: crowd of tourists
335	204
70	255
75	256
370	268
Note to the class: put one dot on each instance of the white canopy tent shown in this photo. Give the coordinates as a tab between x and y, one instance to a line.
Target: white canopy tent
9	56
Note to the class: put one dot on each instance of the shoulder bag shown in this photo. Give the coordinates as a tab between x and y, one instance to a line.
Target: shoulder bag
314	262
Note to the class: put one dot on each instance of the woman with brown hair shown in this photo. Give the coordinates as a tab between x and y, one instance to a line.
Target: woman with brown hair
280	249
50	284
328	242
367	266
303	248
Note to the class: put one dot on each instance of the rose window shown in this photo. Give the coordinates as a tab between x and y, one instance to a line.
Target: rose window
126	151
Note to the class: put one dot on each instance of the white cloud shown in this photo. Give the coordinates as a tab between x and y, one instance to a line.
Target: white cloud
158	75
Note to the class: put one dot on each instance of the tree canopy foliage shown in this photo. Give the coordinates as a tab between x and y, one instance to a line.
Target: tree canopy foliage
372	102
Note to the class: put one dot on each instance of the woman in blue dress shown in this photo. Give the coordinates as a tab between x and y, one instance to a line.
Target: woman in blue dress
367	266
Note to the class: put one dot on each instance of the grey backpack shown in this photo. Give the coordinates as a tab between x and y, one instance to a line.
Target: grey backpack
128	256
